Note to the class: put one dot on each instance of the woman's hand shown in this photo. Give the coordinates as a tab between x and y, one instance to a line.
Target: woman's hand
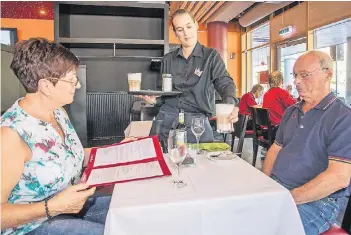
71	200
148	98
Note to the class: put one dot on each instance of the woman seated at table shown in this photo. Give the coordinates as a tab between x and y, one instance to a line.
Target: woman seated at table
276	99
248	100
41	155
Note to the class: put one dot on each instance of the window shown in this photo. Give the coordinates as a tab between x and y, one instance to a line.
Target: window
260	63
258	56
335	39
9	36
288	53
260	36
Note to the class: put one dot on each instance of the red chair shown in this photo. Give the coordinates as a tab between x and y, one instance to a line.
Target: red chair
345	226
335	230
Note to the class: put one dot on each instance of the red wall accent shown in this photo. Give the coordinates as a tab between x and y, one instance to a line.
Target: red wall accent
217	37
27	10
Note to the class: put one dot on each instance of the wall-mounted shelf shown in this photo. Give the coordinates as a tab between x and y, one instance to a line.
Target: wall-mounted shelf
117	43
128	9
118	57
111	39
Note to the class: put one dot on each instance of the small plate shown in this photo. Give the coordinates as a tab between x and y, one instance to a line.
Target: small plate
221	155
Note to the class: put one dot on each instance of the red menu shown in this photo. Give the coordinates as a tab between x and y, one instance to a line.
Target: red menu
124	162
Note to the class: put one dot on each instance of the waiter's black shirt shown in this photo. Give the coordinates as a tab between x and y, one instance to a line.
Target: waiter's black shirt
198	77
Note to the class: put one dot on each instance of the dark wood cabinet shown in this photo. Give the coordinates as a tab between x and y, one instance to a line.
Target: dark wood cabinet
111	39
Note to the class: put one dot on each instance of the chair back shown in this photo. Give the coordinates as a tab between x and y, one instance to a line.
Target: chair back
148	113
134	114
260	117
240	132
240	126
137	105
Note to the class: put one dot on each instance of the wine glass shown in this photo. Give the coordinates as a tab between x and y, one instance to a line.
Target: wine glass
198	128
177	152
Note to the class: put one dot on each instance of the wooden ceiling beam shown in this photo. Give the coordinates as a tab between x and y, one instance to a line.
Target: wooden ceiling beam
190	6
202	9
174	6
197	7
205	9
211	12
183	5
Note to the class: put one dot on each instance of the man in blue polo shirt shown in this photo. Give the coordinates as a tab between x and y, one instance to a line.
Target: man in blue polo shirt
311	155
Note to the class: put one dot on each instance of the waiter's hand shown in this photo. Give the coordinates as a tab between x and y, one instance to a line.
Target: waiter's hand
150	99
234	115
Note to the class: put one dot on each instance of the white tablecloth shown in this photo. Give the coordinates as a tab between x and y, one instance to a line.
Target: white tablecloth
222	197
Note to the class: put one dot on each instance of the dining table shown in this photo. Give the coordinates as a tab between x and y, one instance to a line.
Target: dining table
221	197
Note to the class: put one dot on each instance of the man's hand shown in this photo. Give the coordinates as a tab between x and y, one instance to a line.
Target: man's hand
150	99
335	177
233	117
270	158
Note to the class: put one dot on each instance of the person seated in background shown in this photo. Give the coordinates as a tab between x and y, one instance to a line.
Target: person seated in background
311	155
248	100
276	100
41	154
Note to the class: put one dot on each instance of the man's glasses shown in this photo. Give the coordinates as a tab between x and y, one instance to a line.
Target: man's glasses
74	83
305	75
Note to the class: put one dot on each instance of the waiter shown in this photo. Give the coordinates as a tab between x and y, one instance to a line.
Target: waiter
197	72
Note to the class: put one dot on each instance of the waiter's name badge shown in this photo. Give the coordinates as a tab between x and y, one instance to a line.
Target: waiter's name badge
198	72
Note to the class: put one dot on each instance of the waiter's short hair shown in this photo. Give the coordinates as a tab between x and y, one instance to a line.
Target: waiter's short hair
182	12
275	79
256	88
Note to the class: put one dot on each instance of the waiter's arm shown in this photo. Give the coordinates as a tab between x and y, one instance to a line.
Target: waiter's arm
222	81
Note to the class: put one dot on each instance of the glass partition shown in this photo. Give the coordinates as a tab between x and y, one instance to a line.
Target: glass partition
288	53
335	40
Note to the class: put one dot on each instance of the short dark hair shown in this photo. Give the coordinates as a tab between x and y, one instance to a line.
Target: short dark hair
38	58
182	12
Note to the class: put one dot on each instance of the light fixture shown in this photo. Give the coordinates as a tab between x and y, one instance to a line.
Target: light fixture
42	12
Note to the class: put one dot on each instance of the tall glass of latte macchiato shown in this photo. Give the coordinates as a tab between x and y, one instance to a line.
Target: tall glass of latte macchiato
223	112
134	81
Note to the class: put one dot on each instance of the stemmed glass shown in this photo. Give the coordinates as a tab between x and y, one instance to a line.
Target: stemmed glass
198	128
177	152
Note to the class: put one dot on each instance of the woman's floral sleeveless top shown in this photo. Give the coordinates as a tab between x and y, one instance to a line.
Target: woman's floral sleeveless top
55	163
